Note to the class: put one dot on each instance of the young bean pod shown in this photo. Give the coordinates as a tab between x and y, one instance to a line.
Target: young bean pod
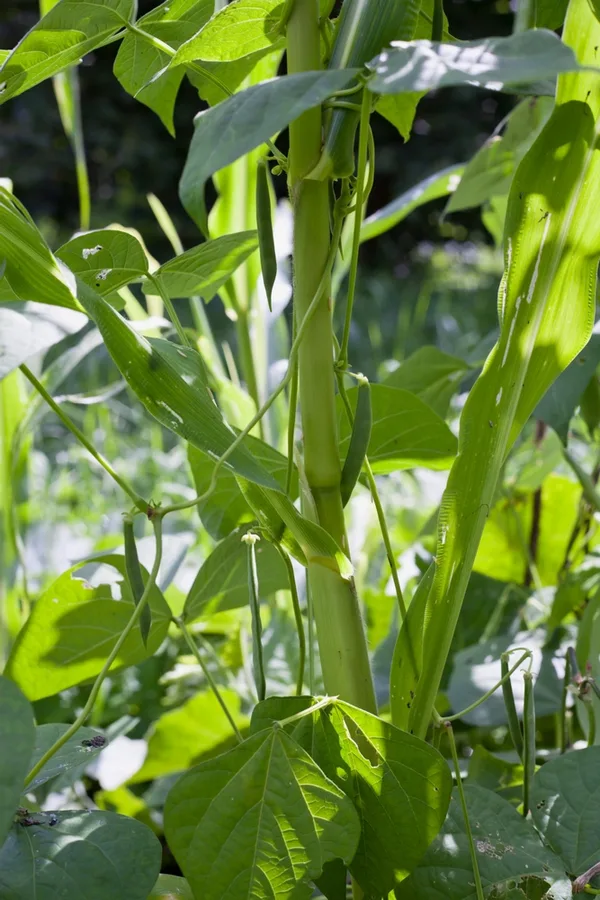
359	441
134	576
514	726
528	740
264	226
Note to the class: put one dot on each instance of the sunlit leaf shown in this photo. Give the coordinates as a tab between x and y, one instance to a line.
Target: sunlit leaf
30	328
78	751
105	259
16	745
239	29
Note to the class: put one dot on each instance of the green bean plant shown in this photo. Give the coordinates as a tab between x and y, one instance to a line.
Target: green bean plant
324	782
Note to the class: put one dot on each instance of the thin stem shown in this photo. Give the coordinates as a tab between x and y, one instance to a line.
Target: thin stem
133	621
465	811
363	145
291	432
164	296
589	489
297	617
212	684
564	712
242	327
491	691
320	704
139	502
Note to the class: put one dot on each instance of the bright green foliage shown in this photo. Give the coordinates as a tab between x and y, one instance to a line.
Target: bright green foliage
105	260
69	858
76	754
405	433
243	28
546	311
566	808
432	375
195	731
222	582
16	745
171	887
507	847
258	821
139	62
73	628
27	329
201	271
245	121
67	32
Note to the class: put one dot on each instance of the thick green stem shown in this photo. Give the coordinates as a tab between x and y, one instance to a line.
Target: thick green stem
342	643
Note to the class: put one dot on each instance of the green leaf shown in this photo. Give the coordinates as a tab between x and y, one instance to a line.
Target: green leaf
432	375
240	29
491	170
78	751
550	13
259	821
506	844
138	61
557	406
195	731
171	887
490	63
201	271
105	260
496	774
399	785
73	628
89	854
546	312
17	735
222	582
31	272
245	121
405	433
399	109
71	29
31	328
274	709
171	383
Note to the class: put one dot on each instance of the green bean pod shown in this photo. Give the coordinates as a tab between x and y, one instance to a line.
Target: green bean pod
134	576
264	227
528	740
365	28
514	726
359	441
258	663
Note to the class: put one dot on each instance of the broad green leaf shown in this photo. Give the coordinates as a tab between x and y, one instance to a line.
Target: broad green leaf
245	121
89	854
565	805
138	61
557	406
227	507
105	260
259	821
432	375
432	188
506	844
496	774
399	785
171	887
67	32
73	628
17	735
491	170
30	328
31	272
405	432
171	383
238	30
274	709
194	731
201	271
547	310
222	582
79	751
490	63
399	109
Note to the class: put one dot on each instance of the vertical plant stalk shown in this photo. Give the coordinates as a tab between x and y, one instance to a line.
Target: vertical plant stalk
133	621
297	618
340	632
66	90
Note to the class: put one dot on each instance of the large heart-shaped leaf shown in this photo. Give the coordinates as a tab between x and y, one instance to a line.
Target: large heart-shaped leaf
201	271
225	132
89	854
222	582
78	751
507	849
405	431
399	785
171	383
67	32
259	821
565	805
138	60
490	63
30	328
73	628
16	744
106	259
241	28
